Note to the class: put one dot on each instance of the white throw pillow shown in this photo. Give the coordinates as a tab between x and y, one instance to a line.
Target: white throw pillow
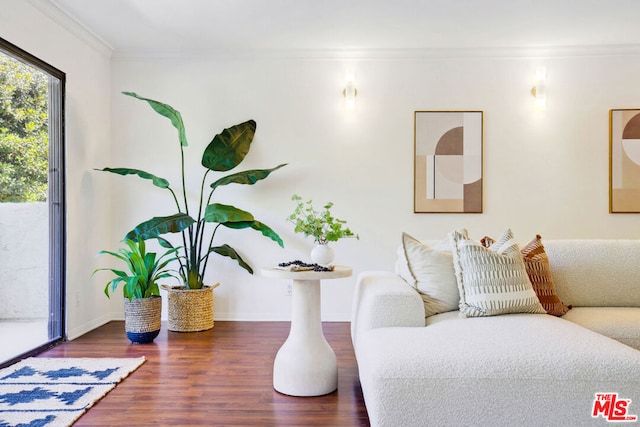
492	280
429	270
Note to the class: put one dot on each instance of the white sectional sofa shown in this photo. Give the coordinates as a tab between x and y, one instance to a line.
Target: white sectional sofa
505	370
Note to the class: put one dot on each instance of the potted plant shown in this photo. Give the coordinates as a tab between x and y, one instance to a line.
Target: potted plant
322	225
191	305
142	301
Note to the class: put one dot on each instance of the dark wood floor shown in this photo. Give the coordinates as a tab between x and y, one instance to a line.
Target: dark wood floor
220	377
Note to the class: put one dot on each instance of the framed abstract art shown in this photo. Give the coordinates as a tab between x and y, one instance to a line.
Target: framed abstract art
448	161
624	161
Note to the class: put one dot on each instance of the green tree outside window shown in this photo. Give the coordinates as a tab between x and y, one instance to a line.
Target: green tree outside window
24	135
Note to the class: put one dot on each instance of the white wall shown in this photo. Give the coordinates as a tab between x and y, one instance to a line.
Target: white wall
88	126
544	173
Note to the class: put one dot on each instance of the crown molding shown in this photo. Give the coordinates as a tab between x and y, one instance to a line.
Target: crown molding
51	9
71	24
381	54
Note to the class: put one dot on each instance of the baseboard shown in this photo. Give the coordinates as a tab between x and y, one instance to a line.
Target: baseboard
270	317
88	327
223	317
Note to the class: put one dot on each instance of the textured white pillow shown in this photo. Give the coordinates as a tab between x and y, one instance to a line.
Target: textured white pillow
430	271
492	281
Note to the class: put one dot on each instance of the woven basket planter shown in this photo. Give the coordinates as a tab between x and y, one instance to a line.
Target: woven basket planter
142	319
190	310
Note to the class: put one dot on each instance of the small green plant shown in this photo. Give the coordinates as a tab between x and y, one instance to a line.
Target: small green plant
322	225
145	269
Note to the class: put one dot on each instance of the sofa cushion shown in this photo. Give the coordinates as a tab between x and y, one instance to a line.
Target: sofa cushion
492	281
596	272
429	269
620	323
381	300
519	369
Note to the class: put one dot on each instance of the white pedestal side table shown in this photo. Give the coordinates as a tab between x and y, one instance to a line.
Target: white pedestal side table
306	365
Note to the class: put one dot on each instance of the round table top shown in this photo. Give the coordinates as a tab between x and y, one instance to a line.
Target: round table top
339	271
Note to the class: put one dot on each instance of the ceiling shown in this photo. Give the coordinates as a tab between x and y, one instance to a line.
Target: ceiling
250	25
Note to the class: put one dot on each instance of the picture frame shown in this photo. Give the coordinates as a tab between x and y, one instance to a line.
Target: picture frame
624	160
448	161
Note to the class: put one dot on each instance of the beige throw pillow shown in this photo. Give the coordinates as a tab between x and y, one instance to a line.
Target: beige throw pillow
493	280
430	271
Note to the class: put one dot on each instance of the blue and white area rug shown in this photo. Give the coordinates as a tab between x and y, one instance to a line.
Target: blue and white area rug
53	392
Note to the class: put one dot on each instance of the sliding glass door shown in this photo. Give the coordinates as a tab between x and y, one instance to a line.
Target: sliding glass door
32	209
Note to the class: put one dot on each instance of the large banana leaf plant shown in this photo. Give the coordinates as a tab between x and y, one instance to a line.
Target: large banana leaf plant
224	152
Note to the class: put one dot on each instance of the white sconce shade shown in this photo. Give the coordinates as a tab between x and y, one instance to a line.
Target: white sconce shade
539	90
350	92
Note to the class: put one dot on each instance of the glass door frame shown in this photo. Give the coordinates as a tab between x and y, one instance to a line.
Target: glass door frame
56	197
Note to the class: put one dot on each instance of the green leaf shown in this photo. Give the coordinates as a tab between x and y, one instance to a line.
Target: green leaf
152	290
156	226
131	288
114	271
172	253
138	267
157	181
229	148
217	212
249	177
228	251
257	225
165	243
149	263
114	285
115	254
168	112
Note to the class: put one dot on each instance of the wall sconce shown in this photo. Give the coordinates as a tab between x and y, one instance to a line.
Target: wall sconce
539	90
350	92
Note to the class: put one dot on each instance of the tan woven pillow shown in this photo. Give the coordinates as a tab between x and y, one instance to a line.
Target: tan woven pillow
538	268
